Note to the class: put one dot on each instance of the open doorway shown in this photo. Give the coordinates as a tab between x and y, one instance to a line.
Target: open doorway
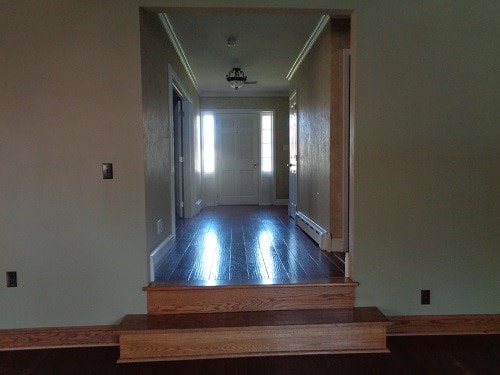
317	141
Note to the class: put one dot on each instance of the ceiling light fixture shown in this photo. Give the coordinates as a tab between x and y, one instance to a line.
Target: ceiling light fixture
231	41
236	78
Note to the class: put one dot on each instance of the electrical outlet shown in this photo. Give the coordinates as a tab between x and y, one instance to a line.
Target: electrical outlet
425	297
107	171
11	279
159	226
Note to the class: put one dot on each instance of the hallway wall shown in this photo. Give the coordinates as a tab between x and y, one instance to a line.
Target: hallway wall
312	82
158	56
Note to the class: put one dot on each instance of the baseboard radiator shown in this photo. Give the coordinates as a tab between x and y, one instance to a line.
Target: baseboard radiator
313	230
198	206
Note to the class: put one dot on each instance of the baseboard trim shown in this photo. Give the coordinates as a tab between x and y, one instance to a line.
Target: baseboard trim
427	325
58	337
281	202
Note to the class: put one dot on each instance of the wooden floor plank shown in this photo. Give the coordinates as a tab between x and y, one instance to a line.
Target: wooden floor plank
242	244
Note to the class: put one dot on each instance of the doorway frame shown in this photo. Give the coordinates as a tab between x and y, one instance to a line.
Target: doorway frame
333	13
174	84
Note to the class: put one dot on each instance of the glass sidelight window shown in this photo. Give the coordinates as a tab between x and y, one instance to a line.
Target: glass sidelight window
208	143
266	121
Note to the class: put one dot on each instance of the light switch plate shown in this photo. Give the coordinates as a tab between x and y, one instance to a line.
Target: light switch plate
107	171
11	279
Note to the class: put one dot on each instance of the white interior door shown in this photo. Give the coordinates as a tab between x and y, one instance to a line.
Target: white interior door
292	163
237	150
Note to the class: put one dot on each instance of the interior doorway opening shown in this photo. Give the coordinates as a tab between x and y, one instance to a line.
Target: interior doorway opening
210	196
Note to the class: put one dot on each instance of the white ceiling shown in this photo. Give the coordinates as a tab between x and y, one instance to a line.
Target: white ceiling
267	47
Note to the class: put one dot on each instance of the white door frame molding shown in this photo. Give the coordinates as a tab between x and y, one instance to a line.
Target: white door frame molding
205	181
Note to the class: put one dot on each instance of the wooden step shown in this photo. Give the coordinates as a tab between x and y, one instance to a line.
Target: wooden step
333	293
244	334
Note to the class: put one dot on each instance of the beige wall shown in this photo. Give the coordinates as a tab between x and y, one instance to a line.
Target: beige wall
313	86
426	157
70	100
426	182
340	31
280	107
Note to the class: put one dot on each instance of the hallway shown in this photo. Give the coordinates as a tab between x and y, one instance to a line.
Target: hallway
245	245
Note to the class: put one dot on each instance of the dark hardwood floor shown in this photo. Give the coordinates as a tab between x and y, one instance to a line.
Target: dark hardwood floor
409	355
245	245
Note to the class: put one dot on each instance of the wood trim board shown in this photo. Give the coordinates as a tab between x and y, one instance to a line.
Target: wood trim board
424	325
58	337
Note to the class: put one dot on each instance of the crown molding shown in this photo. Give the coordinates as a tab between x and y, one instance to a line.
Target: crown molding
323	21
167	25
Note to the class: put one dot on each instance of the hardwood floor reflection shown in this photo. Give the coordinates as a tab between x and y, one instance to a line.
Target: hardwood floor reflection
245	244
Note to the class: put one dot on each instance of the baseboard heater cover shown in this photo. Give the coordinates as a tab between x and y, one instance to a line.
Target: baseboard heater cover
313	230
199	204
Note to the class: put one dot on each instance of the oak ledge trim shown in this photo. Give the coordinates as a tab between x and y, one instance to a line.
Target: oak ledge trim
58	337
440	325
334	281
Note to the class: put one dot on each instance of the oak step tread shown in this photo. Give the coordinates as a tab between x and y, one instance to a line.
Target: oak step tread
273	283
246	334
150	323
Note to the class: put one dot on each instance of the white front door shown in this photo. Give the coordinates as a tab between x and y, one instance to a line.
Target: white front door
238	154
292	162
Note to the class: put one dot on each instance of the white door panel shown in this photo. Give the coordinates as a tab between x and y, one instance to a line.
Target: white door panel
237	149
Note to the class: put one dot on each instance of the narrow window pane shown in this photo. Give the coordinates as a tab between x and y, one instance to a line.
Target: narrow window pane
266	122
266	142
208	144
266	136
266	165
267	150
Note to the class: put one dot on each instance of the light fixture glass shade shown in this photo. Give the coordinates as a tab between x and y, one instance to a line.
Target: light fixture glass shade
236	78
